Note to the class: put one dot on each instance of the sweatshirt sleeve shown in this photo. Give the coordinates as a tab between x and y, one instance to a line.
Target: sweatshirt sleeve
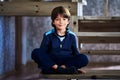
75	45
44	52
45	44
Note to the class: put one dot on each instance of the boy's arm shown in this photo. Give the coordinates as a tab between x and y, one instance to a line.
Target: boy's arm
75	45
44	52
45	44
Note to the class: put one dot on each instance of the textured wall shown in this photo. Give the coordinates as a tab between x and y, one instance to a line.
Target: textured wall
7	44
95	8
114	7
35	28
1	45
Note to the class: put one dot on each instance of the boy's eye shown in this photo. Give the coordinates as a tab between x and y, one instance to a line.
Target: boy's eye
56	19
64	18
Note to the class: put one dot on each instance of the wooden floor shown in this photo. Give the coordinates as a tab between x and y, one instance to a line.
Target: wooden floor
30	72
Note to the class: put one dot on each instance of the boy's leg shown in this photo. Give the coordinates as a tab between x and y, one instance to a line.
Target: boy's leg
42	59
45	63
77	61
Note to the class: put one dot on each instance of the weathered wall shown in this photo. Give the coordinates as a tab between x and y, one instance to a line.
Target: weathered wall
7	44
1	44
114	7
95	8
35	28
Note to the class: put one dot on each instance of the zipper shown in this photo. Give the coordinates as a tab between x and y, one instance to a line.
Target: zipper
60	45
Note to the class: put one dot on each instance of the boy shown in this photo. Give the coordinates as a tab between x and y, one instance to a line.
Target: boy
58	52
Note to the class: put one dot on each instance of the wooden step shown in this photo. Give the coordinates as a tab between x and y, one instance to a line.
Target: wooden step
91	74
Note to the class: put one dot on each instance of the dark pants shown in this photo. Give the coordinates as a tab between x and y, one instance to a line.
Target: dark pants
45	61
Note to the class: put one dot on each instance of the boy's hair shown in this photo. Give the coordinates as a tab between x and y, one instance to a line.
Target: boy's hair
60	10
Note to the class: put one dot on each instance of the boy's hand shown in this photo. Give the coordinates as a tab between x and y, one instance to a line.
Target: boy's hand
63	66
55	66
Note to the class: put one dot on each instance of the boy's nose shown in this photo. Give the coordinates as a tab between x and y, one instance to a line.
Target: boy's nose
61	20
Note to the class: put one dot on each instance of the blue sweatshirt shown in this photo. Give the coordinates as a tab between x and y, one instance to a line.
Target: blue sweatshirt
53	46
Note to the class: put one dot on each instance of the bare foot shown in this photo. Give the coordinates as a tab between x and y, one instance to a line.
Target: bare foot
63	66
55	66
80	71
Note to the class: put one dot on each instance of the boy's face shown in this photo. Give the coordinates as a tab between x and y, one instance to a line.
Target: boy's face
60	22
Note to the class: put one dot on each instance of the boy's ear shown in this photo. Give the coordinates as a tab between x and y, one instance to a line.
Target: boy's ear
68	23
53	25
52	22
